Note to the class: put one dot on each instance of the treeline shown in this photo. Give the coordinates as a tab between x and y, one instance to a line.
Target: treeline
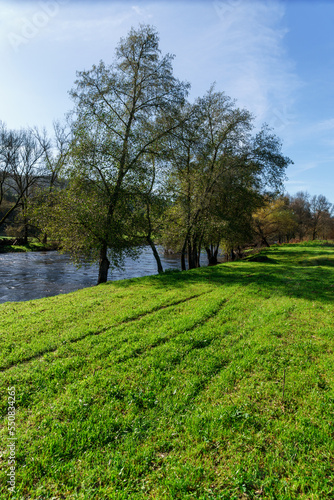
31	163
137	163
297	217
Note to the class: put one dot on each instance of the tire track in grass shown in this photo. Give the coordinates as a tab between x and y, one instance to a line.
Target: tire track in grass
163	340
96	351
99	332
180	407
187	362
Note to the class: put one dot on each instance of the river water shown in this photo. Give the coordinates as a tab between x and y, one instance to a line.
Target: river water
33	275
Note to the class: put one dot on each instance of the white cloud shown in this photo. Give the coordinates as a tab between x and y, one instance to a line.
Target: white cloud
142	12
257	65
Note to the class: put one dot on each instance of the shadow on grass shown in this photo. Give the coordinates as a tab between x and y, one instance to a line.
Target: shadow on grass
291	254
288	275
318	261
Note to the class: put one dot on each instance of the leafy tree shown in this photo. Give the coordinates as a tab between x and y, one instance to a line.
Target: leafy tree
232	227
121	112
206	148
152	204
216	166
275	220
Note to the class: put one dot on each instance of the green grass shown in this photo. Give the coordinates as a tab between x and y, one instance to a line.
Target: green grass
171	386
29	247
33	245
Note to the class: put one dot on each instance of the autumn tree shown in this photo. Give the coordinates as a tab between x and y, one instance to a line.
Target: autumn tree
274	221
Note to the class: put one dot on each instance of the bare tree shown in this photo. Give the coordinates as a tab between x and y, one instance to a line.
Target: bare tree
10	144
55	152
321	211
55	156
24	154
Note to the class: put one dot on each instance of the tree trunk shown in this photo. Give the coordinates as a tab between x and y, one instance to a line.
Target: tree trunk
264	241
239	252
212	255
215	254
191	259
25	233
183	257
156	255
103	265
198	253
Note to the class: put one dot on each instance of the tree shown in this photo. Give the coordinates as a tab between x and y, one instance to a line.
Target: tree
313	215
152	205
205	149
121	112
301	207
55	156
274	220
21	159
321	211
10	143
216	166
230	226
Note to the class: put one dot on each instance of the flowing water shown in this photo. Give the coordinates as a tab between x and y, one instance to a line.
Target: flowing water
33	275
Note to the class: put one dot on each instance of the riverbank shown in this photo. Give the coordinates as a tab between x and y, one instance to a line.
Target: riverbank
34	275
211	383
10	245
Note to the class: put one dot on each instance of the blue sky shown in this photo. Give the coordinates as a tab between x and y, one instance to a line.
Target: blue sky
275	57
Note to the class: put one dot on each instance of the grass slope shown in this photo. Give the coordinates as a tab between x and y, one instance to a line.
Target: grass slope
216	383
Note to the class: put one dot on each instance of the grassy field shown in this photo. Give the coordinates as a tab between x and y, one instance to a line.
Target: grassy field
216	383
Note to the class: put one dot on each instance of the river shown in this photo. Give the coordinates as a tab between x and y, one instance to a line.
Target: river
33	275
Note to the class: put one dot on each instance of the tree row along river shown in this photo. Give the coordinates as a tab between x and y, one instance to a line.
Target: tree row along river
33	275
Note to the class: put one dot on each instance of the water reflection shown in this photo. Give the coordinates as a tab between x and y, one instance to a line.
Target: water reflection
33	275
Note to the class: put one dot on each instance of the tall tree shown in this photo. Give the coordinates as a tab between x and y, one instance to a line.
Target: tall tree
216	163
208	146
117	123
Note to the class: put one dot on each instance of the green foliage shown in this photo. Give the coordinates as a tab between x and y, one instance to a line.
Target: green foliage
121	113
218	175
171	386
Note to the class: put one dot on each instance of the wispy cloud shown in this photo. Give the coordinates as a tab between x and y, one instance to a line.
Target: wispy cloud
324	125
254	64
240	44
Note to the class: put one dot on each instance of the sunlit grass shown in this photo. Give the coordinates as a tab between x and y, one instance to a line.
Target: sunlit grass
216	383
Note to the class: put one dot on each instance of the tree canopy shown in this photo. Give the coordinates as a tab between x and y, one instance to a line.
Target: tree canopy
140	164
